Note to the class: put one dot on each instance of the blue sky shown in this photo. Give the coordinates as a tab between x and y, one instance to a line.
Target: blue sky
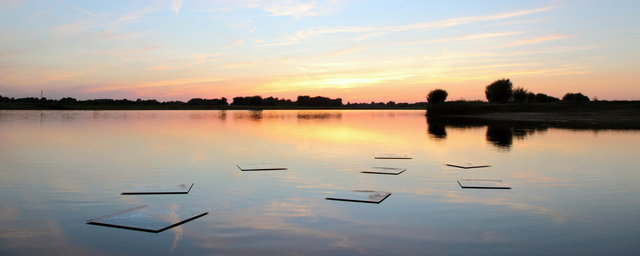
358	50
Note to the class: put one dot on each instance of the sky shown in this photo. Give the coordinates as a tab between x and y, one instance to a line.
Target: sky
357	50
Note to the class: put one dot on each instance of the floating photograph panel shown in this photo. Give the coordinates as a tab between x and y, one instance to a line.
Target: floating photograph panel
360	196
159	190
392	156
147	218
384	170
483	184
260	167
467	165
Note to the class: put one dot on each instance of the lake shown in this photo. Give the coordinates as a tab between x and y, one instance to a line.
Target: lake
573	191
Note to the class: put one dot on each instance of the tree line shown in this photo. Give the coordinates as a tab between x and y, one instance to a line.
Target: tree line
308	101
502	91
194	103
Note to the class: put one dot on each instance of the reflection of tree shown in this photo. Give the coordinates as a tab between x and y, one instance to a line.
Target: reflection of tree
319	115
255	115
436	129
500	136
523	132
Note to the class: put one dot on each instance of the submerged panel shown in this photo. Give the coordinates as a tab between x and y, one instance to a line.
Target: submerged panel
260	167
360	196
159	190
146	218
392	156
384	170
467	165
483	184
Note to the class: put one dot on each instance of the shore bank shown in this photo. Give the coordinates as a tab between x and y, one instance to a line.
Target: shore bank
597	119
615	114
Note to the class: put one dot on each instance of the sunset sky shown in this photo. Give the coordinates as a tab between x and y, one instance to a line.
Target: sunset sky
360	51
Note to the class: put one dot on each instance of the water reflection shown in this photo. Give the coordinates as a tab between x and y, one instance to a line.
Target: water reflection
313	115
258	115
437	130
569	187
500	134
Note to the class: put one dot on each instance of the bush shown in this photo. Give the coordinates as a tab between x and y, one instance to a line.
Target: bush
437	96
575	97
499	91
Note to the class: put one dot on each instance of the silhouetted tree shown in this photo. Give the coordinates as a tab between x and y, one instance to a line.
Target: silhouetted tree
437	96
271	101
247	101
67	100
541	97
318	101
520	95
31	100
575	97
215	102
499	91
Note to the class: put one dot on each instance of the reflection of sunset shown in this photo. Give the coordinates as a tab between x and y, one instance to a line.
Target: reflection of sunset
62	168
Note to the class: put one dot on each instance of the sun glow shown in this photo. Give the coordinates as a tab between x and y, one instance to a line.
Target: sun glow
235	48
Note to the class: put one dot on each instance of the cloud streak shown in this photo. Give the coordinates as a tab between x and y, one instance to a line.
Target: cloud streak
294	8
88	13
197	59
176	5
540	40
432	25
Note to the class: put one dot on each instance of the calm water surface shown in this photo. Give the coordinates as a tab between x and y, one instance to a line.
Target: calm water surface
575	192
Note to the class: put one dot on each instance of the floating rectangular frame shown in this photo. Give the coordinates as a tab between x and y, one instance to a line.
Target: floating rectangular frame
470	166
392	156
160	191
260	167
482	184
103	221
381	170
375	197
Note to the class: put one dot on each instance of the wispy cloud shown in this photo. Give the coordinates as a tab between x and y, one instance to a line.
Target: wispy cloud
517	22
289	8
74	28
35	75
175	6
432	25
295	8
237	43
196	60
467	37
135	16
215	10
540	40
10	3
80	9
335	81
157	84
